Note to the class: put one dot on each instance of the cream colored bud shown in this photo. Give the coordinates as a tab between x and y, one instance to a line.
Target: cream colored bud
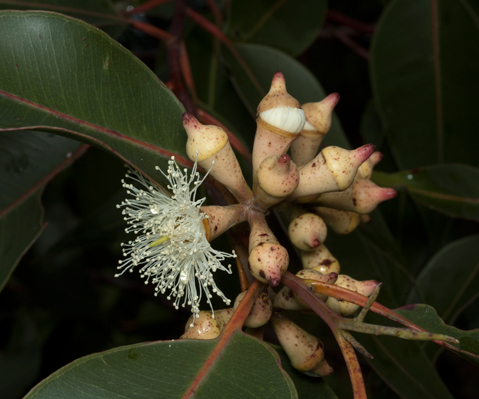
268	260
321	260
206	326
278	177
363	196
211	145
342	222
280	120
332	170
307	231
304	350
260	312
287	299
222	218
365	288
318	123
366	169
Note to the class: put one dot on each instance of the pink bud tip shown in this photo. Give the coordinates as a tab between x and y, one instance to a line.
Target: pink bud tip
333	276
316	243
363	153
190	121
333	99
274	281
387	193
284	159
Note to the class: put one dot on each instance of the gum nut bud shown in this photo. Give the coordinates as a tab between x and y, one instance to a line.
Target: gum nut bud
310	274
365	288
363	196
319	114
221	218
307	231
260	312
304	350
268	262
204	327
280	120
285	299
342	222
344	164
366	169
321	260
278	176
223	316
211	145
318	123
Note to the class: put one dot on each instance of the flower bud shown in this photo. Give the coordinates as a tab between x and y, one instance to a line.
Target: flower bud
321	260
342	222
210	145
260	312
278	177
280	120
304	350
287	299
366	169
363	196
307	231
221	218
268	260
205	325
365	288
318	123
332	170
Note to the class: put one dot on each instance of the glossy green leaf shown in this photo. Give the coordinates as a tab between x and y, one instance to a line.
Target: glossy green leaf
426	317
270	22
301	84
247	368
404	367
61	74
449	189
453	270
28	160
100	13
424	63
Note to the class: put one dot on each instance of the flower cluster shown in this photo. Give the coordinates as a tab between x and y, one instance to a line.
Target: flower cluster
171	249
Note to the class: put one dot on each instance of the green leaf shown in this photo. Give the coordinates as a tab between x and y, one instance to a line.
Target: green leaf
247	368
301	84
449	189
450	279
405	368
61	74
28	160
270	22
424	62
425	316
100	13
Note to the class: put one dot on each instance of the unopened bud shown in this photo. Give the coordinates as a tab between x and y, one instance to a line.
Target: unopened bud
342	222
366	169
332	170
365	288
363	196
321	260
318	123
211	145
221	218
260	312
304	350
307	231
205	325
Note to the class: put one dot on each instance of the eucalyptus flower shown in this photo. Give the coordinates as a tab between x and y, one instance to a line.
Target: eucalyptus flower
171	249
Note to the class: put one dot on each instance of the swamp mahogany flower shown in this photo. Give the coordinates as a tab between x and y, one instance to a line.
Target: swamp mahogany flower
171	248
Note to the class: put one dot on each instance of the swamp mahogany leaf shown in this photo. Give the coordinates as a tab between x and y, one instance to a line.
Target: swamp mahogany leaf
246	368
28	160
425	316
63	75
449	189
269	22
424	62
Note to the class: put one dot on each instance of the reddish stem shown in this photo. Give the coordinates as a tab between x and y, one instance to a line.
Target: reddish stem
146	6
186	70
339	18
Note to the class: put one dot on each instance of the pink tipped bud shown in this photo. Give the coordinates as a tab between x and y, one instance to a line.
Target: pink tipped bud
307	231
366	169
260	312
210	146
318	115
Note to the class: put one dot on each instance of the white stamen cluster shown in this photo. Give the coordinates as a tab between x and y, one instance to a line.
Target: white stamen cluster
171	249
